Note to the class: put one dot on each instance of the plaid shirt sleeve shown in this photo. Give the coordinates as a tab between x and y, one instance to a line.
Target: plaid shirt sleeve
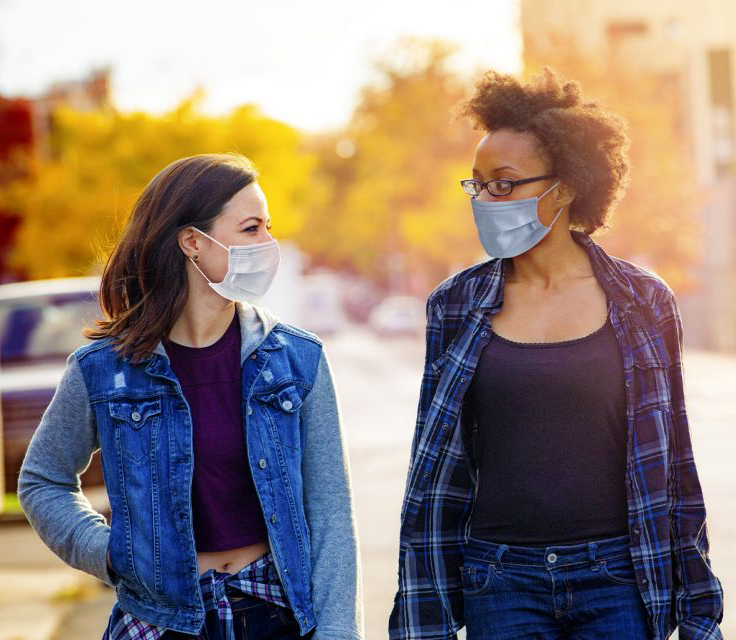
698	593
429	587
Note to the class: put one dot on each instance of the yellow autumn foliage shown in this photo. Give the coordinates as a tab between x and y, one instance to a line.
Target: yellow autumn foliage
73	202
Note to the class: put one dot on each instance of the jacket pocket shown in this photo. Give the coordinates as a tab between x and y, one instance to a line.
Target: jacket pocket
286	399
135	420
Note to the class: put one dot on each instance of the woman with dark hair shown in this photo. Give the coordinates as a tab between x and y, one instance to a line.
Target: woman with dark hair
222	450
552	491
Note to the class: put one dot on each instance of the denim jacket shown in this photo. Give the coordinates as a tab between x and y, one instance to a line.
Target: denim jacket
138	416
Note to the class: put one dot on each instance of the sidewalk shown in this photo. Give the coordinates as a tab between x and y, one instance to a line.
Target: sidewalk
38	592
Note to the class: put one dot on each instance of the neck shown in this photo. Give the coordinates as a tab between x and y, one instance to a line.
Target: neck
556	258
206	316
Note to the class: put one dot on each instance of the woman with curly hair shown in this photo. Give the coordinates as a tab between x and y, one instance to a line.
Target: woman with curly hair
552	491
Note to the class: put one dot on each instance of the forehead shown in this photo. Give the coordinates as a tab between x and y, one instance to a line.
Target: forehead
506	147
249	200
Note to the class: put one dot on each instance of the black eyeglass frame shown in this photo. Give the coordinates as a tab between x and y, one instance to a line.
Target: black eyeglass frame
511	183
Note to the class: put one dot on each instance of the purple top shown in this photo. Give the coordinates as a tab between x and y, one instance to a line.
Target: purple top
227	513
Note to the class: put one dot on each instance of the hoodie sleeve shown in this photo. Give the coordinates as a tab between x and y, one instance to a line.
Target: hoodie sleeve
336	574
49	487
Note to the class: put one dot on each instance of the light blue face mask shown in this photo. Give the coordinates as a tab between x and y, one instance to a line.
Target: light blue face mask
511	227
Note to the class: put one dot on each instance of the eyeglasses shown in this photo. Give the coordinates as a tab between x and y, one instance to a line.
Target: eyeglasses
474	187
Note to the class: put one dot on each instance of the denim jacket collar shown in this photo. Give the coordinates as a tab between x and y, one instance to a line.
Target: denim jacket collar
255	331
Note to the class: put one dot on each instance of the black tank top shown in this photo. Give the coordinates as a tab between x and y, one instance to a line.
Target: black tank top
551	440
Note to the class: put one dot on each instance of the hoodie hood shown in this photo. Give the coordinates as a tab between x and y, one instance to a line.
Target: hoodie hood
255	324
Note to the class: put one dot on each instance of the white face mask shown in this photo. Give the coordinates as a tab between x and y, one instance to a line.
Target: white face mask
251	269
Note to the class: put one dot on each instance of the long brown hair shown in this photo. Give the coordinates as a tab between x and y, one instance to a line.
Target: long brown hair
144	286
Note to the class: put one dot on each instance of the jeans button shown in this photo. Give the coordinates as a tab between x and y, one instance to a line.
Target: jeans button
552	558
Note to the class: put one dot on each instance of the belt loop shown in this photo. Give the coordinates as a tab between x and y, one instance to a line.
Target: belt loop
499	552
592	546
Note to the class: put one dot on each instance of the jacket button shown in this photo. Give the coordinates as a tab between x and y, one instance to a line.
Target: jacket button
273	520
136	416
262	463
249	410
644	582
636	531
287	404
254	357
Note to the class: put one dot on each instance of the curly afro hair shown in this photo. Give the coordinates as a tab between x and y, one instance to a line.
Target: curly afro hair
585	145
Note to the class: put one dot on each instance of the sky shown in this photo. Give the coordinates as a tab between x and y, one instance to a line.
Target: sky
300	62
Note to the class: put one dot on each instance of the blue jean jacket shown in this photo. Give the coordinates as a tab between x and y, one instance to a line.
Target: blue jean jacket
141	422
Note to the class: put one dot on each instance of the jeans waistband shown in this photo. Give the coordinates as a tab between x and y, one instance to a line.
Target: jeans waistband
555	555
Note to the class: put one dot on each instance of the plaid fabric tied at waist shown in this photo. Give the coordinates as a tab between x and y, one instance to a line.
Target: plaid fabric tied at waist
258	579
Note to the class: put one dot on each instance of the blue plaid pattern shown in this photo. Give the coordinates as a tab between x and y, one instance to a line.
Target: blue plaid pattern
669	542
258	579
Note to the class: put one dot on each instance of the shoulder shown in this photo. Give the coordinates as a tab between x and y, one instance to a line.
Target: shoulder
98	347
463	283
650	290
292	332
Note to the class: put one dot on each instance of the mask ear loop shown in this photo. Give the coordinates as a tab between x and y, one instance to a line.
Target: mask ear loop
539	198
196	266
552	224
211	238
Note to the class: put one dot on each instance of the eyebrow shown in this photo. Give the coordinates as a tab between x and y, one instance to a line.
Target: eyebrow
506	166
256	218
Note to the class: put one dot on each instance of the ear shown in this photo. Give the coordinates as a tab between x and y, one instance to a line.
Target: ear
190	243
563	195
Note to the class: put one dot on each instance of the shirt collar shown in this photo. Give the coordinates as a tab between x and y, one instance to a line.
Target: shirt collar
489	294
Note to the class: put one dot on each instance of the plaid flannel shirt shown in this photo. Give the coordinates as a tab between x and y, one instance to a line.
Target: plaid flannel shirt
259	579
669	542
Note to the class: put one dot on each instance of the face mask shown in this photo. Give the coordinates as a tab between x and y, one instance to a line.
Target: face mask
251	269
508	229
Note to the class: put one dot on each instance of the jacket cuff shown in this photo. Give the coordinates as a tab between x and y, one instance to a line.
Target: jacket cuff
699	628
97	554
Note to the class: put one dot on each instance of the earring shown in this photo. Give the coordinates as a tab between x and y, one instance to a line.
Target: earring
196	257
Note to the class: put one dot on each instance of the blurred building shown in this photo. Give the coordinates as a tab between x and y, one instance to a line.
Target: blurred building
691	47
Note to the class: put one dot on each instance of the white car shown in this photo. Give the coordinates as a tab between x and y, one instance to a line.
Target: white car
398	315
40	325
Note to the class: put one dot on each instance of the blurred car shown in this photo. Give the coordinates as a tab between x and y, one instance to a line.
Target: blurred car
321	305
40	325
398	315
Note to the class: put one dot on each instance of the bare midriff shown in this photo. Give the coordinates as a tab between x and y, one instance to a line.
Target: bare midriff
232	560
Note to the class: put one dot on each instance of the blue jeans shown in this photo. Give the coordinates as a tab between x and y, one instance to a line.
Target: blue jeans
253	619
584	591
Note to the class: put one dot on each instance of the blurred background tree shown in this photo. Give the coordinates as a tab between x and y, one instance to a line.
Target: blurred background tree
392	207
73	201
657	223
378	198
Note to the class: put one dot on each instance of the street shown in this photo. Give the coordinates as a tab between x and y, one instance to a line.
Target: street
378	384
